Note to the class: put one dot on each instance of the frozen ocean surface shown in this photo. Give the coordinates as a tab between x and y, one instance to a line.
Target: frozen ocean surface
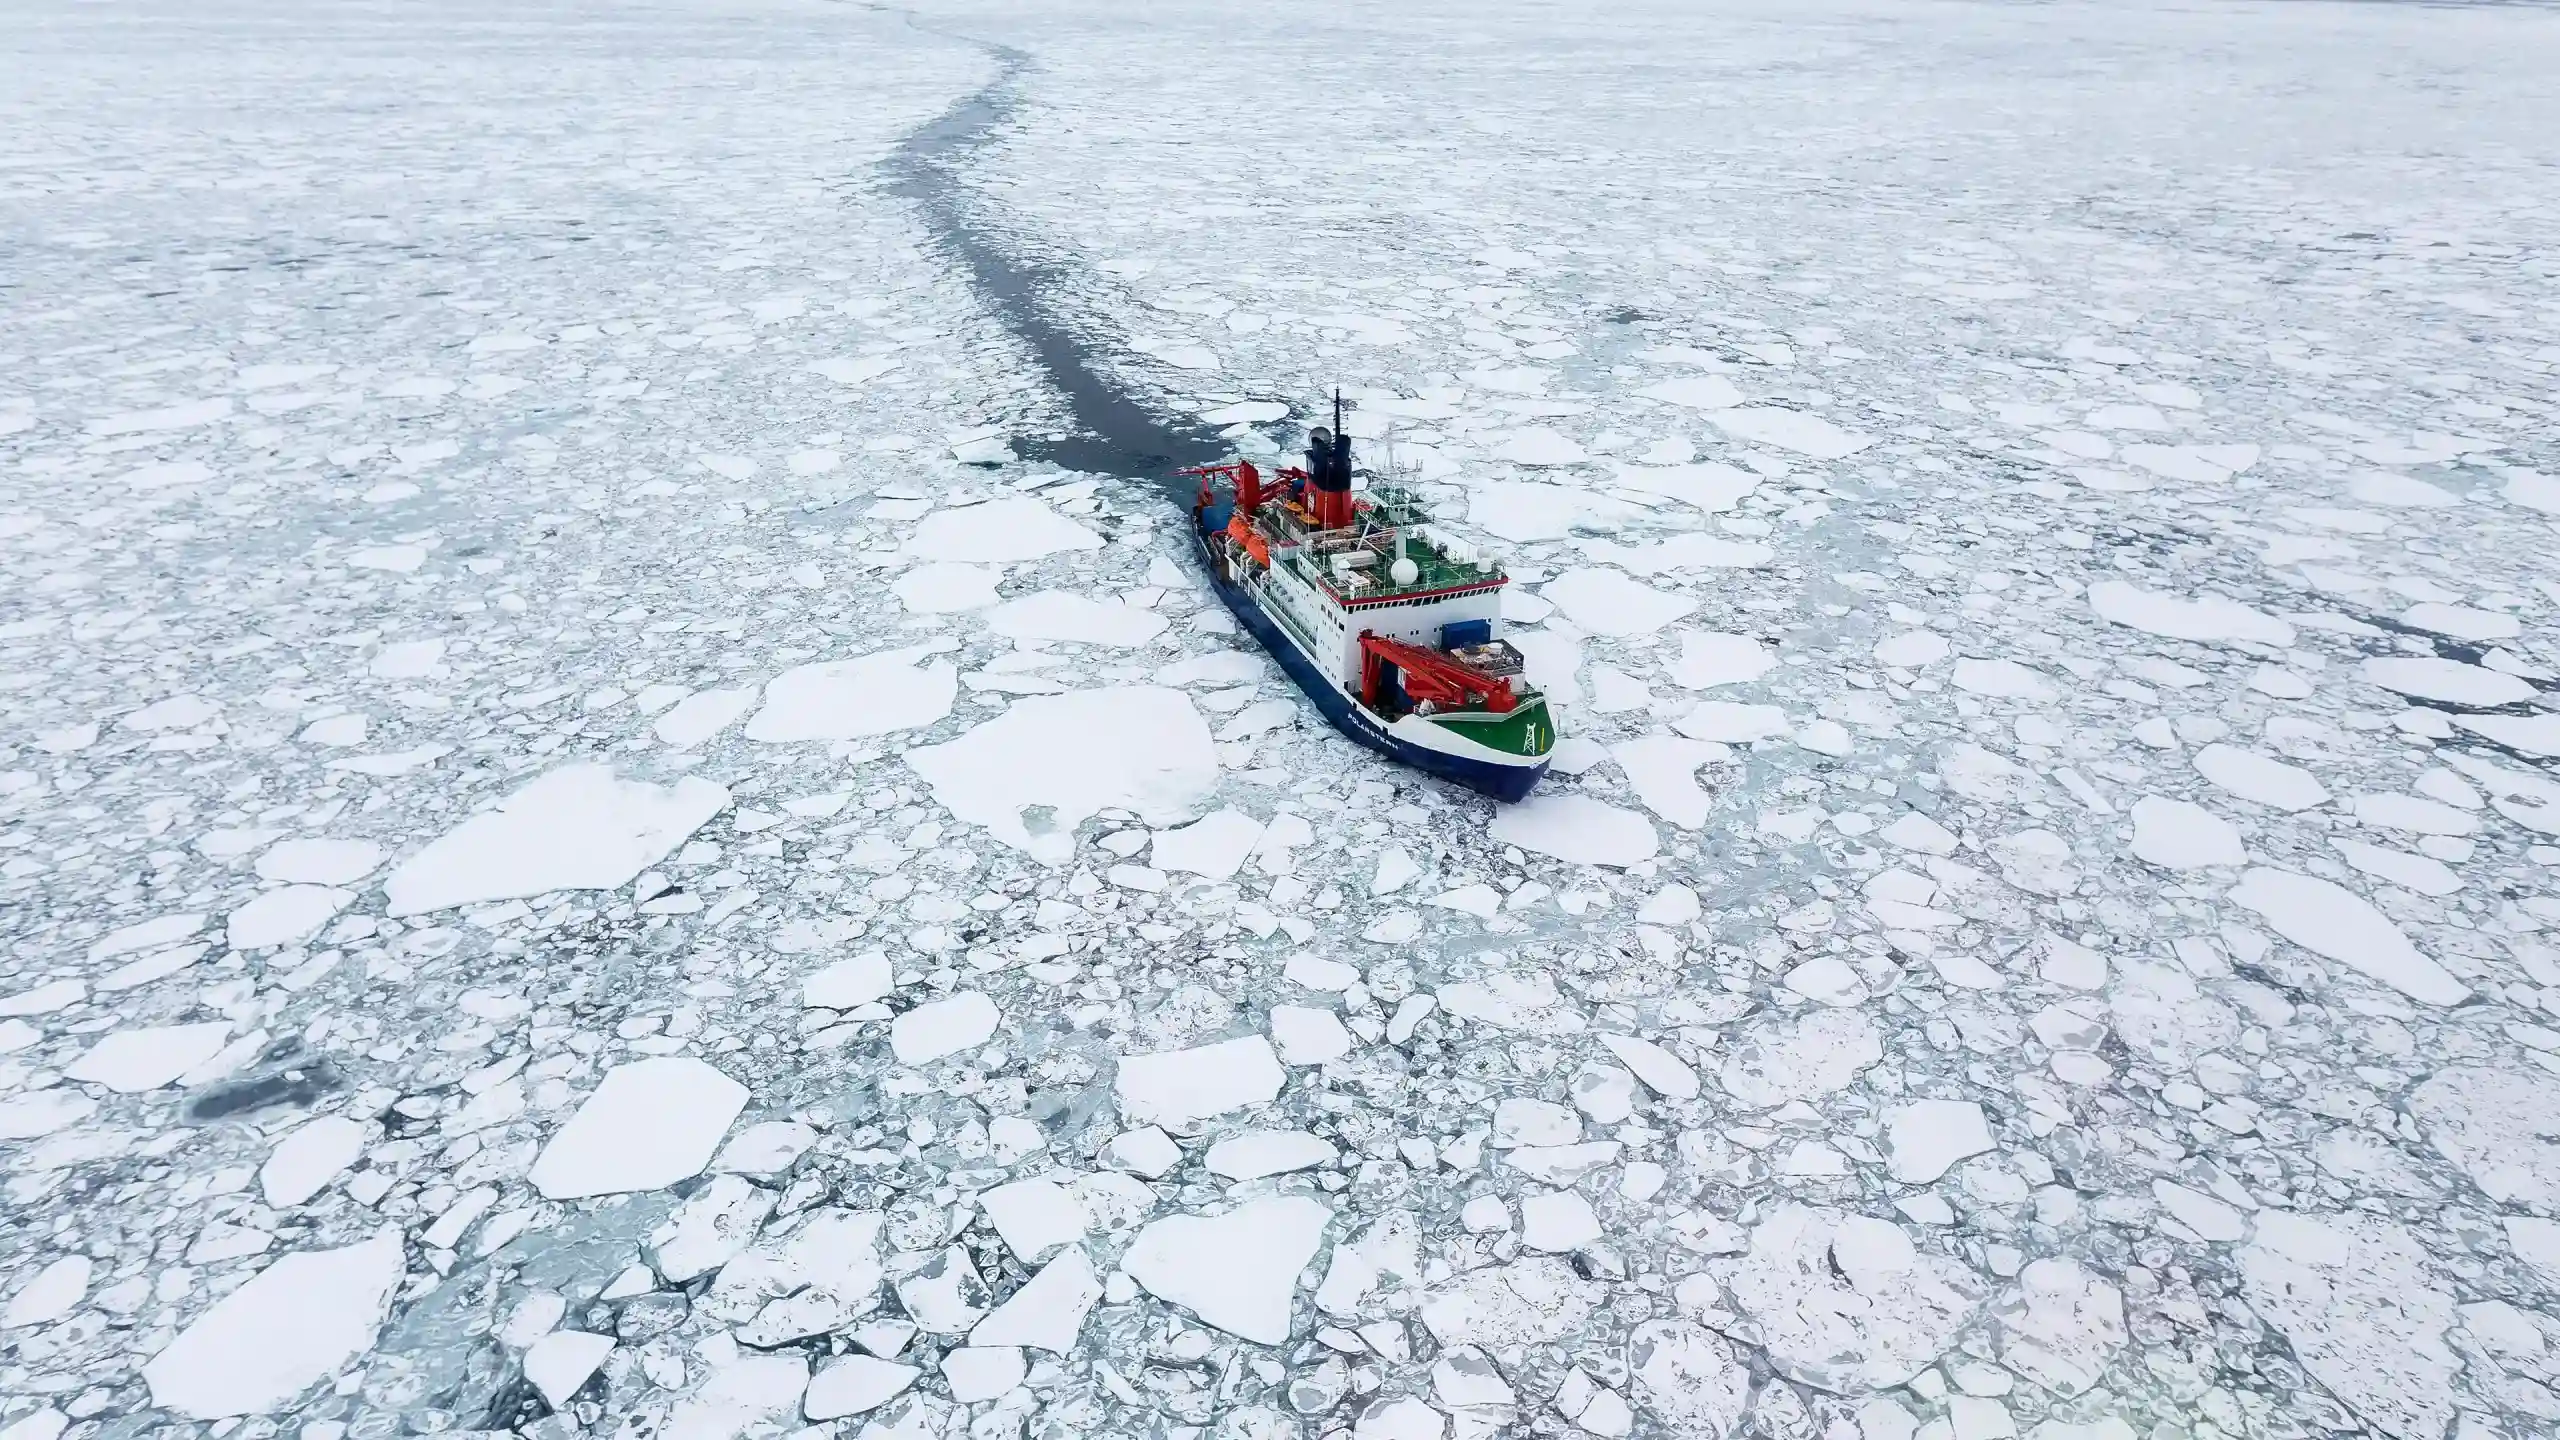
621	815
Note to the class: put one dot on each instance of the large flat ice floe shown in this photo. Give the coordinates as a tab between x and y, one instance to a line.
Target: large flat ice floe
880	693
1033	774
576	828
1000	532
291	1327
1237	1271
650	1123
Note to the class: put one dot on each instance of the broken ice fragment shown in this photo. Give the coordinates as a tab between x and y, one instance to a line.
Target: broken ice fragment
1237	1271
1175	1087
295	1322
649	1124
1141	748
877	694
943	1027
1925	1138
2340	924
1048	1312
575	828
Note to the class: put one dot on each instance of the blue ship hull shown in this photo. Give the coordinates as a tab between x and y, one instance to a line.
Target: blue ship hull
1506	783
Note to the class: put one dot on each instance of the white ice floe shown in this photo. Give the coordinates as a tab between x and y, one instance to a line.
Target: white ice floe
2356	1297
1578	829
1709	659
1845	1302
1911	649
1253	1154
290	1327
877	694
1608	602
319	862
2340	924
1796	430
1060	615
1711	487
558	1363
132	1061
1142	748
1538	446
1702	392
49	1294
1308	1036
2423	874
282	917
1216	845
1925	1138
850	983
856	1384
2206	618
2493	1123
1237	1271
308	1158
2526	734
2002	680
2449	681
1177	1087
1048	1312
2262	778
648	1124
702	715
1662	1072
939	1028
1000	532
1035	1216
1663	771
575	828
1802	1059
1727	722
945	588
2180	835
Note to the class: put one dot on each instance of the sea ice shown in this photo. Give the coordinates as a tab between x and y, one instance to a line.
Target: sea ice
1607	602
1176	1087
2342	925
282	917
308	1158
132	1061
880	693
2354	1294
946	588
648	1124
1000	532
2209	618
575	828
290	1327
2179	835
1142	748
2262	778
1796	430
319	862
1578	829
1845	1302
2448	681
1237	1271
940	1028
1925	1138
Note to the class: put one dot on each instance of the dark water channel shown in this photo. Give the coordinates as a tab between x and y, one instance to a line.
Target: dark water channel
1112	432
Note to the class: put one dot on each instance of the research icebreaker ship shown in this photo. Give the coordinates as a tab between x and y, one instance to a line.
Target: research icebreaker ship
1392	628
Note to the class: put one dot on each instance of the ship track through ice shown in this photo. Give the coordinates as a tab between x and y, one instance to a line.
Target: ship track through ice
1417	675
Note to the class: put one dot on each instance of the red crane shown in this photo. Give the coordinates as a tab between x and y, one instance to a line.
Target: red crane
1428	675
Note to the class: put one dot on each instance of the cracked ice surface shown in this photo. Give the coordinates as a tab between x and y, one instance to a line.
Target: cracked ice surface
584	851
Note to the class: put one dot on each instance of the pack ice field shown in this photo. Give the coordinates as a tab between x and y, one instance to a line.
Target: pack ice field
638	801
